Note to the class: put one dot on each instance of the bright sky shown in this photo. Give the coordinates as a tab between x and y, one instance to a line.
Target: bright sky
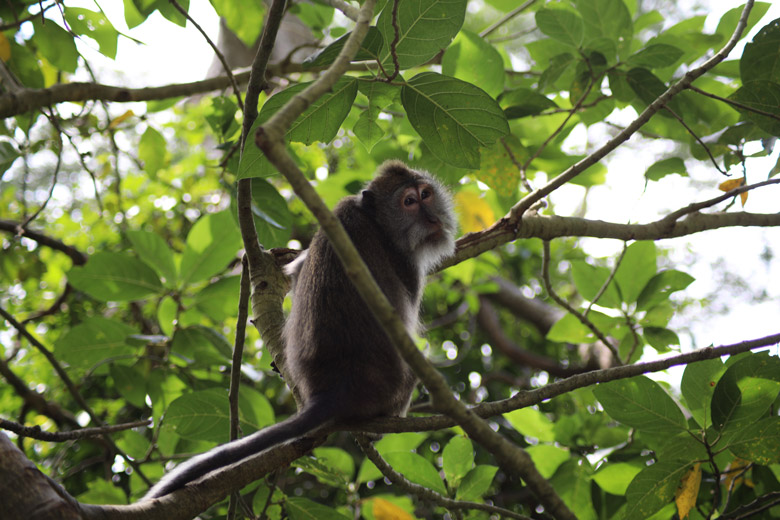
174	54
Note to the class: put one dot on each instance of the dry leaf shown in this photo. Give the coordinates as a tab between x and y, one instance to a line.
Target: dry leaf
5	48
124	117
475	214
685	498
732	184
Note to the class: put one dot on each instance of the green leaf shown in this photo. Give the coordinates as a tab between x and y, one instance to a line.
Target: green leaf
130	384
212	242
425	27
273	219
565	26
454	118
569	329
8	155
369	50
653	488
152	151
476	483
222	118
619	86
547	458
115	277
472	59
367	130
759	442
666	167
641	403
761	57
636	269
522	102
728	22
457	459
573	485
606	18
590	278
94	341
204	415
56	45
219	300
417	469
242	16
698	385
299	508
661	286
660	338
337	460
745	392
95	25
199	348
615	478
760	95
531	423
655	56
153	250
395	442
648	88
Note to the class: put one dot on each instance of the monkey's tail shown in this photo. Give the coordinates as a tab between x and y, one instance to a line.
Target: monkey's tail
316	414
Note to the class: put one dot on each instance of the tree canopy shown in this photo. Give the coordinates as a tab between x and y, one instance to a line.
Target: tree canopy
144	228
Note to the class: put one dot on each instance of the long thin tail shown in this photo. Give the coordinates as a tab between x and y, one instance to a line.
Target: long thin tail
293	427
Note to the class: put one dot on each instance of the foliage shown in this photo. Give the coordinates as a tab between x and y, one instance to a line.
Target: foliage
141	310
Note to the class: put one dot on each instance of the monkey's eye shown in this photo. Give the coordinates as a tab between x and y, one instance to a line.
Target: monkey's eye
408	201
426	193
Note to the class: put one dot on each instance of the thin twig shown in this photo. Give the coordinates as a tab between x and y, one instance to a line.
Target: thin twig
35	432
505	19
216	50
698	139
609	279
735	104
571	310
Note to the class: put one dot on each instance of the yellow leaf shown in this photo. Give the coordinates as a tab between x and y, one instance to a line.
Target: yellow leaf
5	48
732	184
734	474
685	497
124	117
475	214
384	510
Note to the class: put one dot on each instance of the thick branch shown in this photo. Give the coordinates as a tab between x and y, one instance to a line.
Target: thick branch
77	256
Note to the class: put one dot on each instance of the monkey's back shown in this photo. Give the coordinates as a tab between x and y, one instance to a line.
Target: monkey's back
335	349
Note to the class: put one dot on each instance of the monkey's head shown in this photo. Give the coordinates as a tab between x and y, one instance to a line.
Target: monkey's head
415	210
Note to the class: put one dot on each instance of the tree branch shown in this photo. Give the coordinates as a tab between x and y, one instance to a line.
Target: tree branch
35	432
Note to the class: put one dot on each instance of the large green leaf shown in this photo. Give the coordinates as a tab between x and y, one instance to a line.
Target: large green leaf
636	268
369	49
457	459
476	483
417	469
615	478
425	27
745	392
759	442
655	56
153	250
653	488
152	151
299	508
56	45
212	242
204	415
761	95
474	60
95	25
608	19
454	118
697	386
761	57
111	276
561	24
320	122
641	403
590	278
661	286
273	220
93	341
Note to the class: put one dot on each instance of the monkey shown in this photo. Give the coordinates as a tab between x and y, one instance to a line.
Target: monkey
336	353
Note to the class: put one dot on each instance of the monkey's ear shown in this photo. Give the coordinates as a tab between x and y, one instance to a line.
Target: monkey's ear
368	200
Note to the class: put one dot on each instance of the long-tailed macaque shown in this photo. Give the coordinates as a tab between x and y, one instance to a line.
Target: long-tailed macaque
336	353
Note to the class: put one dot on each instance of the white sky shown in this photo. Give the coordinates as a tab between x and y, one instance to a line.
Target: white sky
174	54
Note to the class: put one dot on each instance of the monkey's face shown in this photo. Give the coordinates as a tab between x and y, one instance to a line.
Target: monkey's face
428	221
